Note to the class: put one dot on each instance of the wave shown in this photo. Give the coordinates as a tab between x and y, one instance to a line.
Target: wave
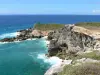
32	39
9	35
17	41
45	39
51	60
47	42
3	42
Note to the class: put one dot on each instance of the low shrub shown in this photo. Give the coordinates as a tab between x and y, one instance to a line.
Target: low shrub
84	69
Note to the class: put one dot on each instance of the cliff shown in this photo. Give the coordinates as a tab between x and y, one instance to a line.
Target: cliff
72	39
78	45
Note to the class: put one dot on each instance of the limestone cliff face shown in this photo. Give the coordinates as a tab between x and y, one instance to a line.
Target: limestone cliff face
40	32
72	38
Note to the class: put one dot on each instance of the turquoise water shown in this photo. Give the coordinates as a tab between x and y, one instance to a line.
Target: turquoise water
21	58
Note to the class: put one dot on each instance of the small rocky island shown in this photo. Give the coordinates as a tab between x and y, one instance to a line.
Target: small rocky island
78	45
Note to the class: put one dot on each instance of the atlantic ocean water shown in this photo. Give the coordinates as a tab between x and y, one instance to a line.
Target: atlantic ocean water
28	57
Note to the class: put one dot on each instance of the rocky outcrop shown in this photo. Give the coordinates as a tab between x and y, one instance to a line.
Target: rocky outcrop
26	34
72	39
23	35
40	32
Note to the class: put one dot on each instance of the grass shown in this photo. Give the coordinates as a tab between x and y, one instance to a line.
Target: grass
73	55
40	26
61	55
94	24
68	55
84	69
93	55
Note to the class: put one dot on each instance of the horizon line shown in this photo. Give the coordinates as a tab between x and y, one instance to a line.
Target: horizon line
49	14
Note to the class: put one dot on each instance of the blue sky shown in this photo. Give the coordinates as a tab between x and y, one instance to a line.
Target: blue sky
50	7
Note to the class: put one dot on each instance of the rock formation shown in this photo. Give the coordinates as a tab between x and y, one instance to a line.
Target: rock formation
26	34
72	39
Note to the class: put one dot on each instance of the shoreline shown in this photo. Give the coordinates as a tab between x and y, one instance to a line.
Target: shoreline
10	35
70	38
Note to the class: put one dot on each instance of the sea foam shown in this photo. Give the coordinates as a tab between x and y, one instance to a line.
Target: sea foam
51	60
9	35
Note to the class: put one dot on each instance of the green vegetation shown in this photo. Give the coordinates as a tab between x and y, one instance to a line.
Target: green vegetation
94	24
83	69
69	55
73	55
40	26
93	55
61	55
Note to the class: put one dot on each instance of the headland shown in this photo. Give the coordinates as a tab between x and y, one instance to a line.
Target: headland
76	45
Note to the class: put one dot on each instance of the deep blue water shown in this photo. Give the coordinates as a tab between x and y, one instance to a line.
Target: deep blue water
26	57
10	23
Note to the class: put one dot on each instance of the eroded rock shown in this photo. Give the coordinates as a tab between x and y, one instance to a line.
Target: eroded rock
72	38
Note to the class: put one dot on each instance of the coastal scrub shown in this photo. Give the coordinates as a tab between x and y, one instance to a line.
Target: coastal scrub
51	26
84	69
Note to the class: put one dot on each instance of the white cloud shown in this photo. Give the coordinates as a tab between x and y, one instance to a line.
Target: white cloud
96	11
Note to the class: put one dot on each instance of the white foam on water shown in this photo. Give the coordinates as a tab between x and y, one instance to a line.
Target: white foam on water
47	42
3	42
51	60
9	35
45	37
32	39
9	42
17	41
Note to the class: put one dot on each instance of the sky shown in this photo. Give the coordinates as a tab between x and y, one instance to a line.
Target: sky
81	7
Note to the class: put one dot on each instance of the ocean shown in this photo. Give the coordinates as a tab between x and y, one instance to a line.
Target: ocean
28	57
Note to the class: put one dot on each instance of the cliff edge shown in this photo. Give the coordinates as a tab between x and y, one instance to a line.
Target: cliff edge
73	39
78	45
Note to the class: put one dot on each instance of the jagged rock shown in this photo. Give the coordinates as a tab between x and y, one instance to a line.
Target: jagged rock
26	34
7	40
40	32
72	38
23	35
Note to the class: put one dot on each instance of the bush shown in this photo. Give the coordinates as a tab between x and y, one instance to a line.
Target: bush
93	55
84	69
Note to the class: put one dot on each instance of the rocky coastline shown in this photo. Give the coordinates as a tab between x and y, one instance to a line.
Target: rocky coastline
70	43
26	34
72	39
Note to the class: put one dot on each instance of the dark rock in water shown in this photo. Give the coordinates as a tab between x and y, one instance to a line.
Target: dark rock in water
7	40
